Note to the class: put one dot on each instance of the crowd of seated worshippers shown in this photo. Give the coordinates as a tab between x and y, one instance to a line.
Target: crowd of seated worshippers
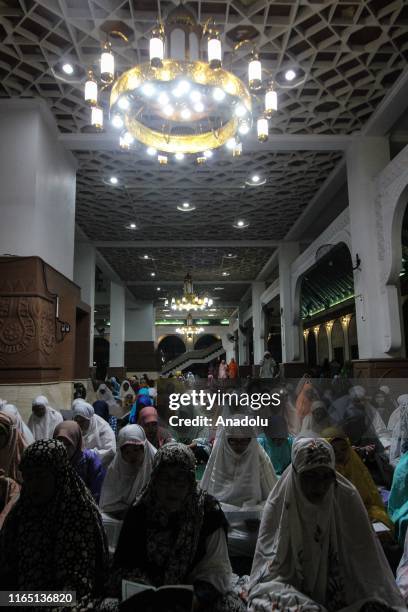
293	517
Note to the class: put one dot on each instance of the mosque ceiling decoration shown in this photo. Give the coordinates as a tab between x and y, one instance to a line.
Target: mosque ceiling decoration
349	54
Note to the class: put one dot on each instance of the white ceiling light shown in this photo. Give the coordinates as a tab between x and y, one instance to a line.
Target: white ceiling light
186	207
131	226
152	273
114	180
225	273
68	68
290	75
255	181
240	224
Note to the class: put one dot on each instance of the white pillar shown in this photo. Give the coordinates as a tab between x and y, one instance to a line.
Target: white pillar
38	181
345	322
117	326
84	276
316	330
291	345
258	322
365	159
329	327
242	340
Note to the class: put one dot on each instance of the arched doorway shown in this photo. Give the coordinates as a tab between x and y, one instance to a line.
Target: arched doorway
170	347
338	342
101	357
352	338
323	345
205	341
311	348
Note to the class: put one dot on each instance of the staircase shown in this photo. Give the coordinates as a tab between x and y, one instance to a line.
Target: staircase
190	357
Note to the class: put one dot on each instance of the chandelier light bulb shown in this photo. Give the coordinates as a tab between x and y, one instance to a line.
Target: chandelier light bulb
107	65
151	151
117	121
218	94
240	110
231	144
128	138
156	50
168	110
185	113
214	51
179	156
162	159
124	103
184	87
199	107
195	95
255	73
148	90
163	98
208	154
91	90
243	128
97	117
262	129
271	102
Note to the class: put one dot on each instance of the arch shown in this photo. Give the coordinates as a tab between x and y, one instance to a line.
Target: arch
101	357
311	348
205	340
337	338
170	347
323	345
352	337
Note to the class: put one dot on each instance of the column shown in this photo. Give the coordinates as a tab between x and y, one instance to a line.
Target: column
291	346
84	276
365	159
117	329
305	351
316	335
258	322
38	182
140	336
329	326
242	340
345	322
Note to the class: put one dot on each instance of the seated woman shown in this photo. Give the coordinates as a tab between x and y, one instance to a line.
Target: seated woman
175	534
240	475
98	435
402	572
125	390
317	420
84	461
399	436
398	500
149	420
13	411
43	419
316	540
12	447
53	539
128	473
277	443
349	465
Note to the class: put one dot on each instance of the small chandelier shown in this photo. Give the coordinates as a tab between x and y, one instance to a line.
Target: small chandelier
189	300
183	101
189	329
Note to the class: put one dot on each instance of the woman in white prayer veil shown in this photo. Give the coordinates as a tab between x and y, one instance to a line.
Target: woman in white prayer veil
316	549
240	475
43	419
128	473
105	394
98	434
13	411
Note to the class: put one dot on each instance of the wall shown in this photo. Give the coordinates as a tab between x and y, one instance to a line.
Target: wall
38	180
140	354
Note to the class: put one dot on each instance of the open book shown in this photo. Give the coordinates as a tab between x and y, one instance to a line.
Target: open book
380	527
171	597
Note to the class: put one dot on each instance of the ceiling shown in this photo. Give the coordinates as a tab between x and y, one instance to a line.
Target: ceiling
348	54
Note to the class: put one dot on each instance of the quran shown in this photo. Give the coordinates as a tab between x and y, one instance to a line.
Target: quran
171	597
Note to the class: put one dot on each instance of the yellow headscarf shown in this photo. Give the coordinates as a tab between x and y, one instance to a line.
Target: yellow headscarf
356	472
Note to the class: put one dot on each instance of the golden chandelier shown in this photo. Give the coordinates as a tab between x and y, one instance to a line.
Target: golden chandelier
189	300
189	329
182	101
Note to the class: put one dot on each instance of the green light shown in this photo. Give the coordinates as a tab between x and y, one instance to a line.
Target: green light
224	322
170	322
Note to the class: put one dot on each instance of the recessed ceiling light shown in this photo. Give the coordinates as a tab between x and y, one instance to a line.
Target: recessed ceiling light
186	207
290	75
152	273
213	310
158	288
240	224
68	68
225	273
131	226
218	288
255	181
114	180
211	315
145	257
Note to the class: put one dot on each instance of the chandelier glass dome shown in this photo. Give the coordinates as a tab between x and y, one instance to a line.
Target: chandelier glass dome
183	101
